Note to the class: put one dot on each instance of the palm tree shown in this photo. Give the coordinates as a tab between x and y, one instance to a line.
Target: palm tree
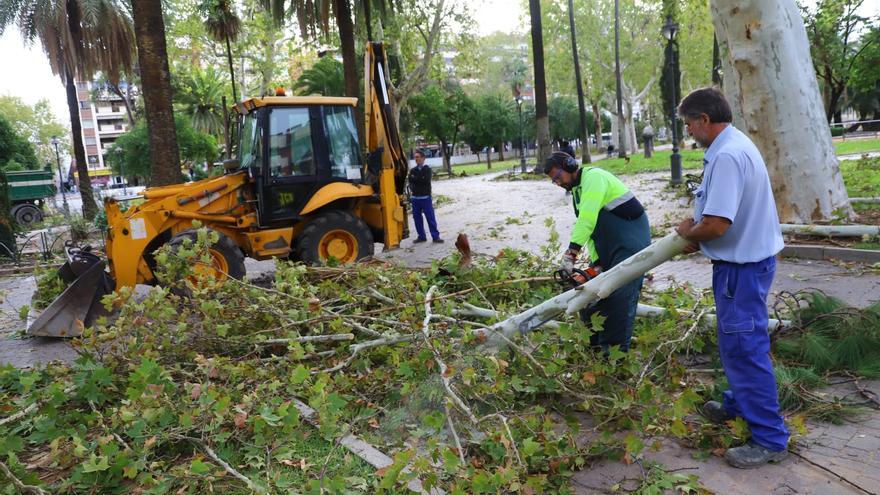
541	115
80	38
149	28
223	24
200	94
325	78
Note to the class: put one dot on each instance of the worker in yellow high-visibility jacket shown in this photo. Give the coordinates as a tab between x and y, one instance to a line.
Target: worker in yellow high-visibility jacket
612	223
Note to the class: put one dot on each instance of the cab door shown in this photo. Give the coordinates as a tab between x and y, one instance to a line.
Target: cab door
292	165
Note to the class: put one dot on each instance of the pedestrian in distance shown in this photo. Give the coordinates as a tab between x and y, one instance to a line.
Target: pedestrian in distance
736	225
565	147
422	204
613	225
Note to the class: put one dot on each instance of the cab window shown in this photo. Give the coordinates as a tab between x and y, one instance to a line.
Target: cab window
290	143
342	138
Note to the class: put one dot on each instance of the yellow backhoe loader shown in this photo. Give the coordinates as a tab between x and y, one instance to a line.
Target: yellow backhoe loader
301	187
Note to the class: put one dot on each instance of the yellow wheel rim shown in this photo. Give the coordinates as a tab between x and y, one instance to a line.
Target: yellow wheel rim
218	268
339	244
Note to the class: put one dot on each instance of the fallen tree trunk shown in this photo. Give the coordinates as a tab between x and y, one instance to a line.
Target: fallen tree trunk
865	200
598	288
647	310
831	230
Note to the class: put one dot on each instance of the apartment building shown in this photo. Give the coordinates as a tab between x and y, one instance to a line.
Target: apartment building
104	118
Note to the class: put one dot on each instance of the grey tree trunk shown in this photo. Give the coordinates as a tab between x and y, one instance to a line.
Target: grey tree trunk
542	117
770	83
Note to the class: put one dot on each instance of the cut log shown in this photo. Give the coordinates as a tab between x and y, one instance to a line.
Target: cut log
831	230
579	297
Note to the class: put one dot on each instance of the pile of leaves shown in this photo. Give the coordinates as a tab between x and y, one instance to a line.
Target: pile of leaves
200	387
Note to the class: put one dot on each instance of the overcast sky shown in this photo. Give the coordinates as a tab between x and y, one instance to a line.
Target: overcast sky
26	71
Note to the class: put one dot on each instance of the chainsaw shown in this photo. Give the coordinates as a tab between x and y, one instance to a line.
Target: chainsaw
577	277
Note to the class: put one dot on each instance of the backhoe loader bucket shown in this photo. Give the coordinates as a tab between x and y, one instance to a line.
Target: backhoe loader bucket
80	304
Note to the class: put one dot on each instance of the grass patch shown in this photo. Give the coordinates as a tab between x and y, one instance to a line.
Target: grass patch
659	161
861	177
855	146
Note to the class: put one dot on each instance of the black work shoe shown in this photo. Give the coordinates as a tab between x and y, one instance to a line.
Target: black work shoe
715	412
418	241
439	241
752	455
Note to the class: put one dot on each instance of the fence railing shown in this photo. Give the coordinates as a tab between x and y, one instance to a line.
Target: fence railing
863	133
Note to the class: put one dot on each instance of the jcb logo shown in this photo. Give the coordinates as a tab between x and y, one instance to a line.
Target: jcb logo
285	198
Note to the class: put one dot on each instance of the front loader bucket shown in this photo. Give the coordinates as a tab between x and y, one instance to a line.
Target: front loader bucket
77	307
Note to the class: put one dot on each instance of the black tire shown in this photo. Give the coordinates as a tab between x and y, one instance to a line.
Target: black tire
334	233
26	214
224	248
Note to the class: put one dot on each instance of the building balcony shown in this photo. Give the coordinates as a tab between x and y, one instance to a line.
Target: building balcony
107	113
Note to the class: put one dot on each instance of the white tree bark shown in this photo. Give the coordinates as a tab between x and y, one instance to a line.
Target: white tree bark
831	230
647	310
865	200
597	288
772	89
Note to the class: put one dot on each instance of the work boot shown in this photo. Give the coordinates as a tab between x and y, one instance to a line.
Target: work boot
715	412
752	455
417	241
438	241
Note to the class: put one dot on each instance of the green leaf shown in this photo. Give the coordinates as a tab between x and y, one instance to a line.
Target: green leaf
95	464
633	444
434	420
299	375
199	467
530	447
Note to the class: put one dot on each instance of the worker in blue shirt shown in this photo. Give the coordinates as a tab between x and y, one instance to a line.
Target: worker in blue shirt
613	225
736	225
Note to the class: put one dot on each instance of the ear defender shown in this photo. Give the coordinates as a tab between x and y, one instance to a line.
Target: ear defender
570	164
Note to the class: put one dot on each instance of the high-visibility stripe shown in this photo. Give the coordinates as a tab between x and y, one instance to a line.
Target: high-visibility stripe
623	198
32	183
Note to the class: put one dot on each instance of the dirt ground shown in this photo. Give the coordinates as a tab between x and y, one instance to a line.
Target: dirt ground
499	214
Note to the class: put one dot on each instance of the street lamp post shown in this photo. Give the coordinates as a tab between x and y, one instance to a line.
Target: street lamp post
669	30
522	139
60	176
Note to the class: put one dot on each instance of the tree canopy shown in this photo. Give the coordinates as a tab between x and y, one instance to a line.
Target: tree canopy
16	153
129	156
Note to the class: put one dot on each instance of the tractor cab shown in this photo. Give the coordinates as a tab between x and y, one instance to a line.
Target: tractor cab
293	148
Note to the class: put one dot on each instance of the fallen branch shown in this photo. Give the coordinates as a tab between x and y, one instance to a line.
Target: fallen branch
647	310
597	288
447	384
362	449
831	230
336	337
225	465
356	348
22	487
29	409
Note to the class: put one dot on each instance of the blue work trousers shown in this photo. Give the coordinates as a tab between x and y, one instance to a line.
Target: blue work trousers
425	207
744	343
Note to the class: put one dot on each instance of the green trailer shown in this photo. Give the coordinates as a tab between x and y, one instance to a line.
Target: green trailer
28	191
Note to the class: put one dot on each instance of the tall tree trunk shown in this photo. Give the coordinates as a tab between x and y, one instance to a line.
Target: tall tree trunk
231	70
489	158
349	62
90	208
585	141
621	125
501	151
770	83
542	117
447	161
597	122
716	63
149	29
